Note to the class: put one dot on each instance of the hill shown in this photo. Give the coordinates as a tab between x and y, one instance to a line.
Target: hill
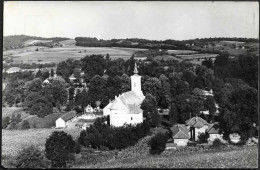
18	41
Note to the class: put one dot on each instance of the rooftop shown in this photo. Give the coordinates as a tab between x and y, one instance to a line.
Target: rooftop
180	131
68	116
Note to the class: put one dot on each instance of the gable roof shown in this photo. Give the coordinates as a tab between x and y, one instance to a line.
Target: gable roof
180	132
129	101
72	77
213	129
68	116
197	122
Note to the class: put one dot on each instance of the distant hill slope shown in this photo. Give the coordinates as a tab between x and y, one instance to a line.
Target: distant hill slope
18	41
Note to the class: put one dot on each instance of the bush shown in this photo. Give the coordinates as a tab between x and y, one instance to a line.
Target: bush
217	143
30	157
12	126
158	143
25	125
5	122
203	138
58	148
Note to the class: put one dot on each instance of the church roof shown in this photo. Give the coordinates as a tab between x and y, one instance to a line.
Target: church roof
127	101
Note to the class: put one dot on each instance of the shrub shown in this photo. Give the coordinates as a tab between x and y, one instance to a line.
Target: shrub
5	122
12	126
58	148
203	138
158	143
25	125
30	157
217	143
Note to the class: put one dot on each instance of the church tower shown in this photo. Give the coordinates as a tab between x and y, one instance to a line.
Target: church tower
136	82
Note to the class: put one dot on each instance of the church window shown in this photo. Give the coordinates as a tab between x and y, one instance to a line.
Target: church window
131	118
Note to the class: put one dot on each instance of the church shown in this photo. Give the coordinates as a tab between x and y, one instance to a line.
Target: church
125	108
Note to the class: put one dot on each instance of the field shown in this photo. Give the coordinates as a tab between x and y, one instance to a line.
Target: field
181	52
195	56
57	54
15	140
8	111
246	157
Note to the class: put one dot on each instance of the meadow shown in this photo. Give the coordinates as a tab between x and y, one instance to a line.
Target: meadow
58	54
244	157
14	140
195	56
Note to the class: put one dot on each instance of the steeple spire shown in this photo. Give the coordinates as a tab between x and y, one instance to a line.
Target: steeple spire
135	70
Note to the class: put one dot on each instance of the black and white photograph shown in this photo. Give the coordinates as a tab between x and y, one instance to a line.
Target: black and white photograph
130	84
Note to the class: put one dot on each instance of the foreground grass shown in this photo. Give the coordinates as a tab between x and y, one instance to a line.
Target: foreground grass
246	157
14	140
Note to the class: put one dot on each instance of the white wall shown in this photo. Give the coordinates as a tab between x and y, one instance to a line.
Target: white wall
106	112
181	142
60	123
212	137
199	131
119	117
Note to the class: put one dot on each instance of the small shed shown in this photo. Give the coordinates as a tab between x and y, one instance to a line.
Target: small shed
180	135
64	120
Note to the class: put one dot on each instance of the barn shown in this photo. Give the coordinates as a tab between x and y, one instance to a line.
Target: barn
64	120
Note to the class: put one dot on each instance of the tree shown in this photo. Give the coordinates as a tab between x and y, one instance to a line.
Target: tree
153	86
58	147
165	98
31	158
208	63
52	72
13	91
5	122
125	79
149	105
57	90
41	109
93	65
38	74
96	88
71	93
32	86
158	143
25	124
46	74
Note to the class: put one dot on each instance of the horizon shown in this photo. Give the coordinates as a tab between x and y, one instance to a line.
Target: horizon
129	38
154	20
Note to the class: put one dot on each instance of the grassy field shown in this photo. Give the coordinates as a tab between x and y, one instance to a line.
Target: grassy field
181	52
194	56
246	157
57	54
8	111
14	140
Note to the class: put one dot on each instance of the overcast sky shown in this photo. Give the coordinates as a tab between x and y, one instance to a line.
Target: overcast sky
148	20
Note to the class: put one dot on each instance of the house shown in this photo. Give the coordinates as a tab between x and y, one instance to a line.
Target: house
46	81
125	109
214	132
13	70
180	134
64	120
196	126
72	78
89	109
84	123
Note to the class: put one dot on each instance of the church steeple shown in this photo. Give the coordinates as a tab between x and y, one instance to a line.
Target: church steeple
136	82
135	70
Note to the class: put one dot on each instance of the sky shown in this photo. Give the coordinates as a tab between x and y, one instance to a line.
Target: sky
147	19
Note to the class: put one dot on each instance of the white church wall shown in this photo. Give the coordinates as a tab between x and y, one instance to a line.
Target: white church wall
118	118
60	123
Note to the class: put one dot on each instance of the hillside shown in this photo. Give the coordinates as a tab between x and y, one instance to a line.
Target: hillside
18	41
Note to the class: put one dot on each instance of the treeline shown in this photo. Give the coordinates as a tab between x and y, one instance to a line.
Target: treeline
29	66
206	40
17	41
130	43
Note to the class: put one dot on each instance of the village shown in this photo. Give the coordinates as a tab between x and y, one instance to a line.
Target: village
130	85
